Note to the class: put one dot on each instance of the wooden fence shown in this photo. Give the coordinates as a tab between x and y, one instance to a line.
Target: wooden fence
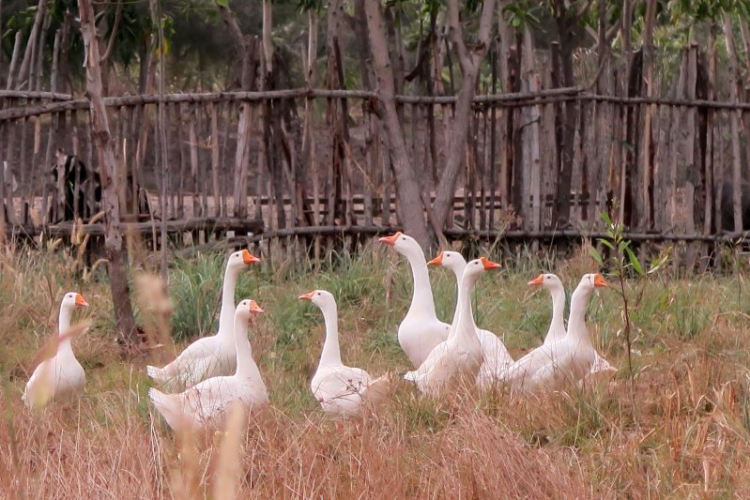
315	162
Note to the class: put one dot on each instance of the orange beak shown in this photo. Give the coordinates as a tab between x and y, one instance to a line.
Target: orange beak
599	281
249	258
307	296
488	264
391	240
539	280
437	261
255	308
80	302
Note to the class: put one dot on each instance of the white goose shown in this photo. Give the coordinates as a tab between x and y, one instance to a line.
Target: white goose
61	375
209	356
205	404
556	330
460	356
570	358
421	330
497	359
341	390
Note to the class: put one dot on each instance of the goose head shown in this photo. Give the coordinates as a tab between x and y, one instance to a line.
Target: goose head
403	244
246	309
73	300
320	298
477	267
590	282
449	259
241	259
549	281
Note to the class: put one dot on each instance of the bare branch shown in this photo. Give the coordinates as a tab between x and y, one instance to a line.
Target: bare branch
455	33
118	15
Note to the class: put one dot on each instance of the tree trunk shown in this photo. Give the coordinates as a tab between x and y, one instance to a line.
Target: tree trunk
734	124
118	279
412	213
535	180
470	61
565	22
27	63
647	188
246	48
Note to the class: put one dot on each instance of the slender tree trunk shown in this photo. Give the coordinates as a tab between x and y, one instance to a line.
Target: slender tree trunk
535	180
647	193
246	48
470	60
565	22
406	181
101	139
734	124
27	63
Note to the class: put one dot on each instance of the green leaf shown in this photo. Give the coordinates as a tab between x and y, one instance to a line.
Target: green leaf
606	219
634	261
595	255
607	244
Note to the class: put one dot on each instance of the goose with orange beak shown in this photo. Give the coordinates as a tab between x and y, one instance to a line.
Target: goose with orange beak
204	405
342	391
420	330
211	356
568	360
60	376
497	359
459	358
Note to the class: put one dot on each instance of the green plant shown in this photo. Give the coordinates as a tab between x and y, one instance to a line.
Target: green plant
622	262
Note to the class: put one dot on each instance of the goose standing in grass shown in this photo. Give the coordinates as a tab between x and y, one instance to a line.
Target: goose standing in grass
341	390
497	359
421	330
556	330
61	375
460	356
568	359
206	403
209	356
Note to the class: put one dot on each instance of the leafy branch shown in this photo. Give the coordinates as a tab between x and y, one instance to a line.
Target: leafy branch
622	263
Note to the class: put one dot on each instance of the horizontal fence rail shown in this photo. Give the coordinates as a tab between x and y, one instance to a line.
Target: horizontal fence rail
315	163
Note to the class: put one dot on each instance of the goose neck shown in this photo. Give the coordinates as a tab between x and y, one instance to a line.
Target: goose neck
458	270
577	324
226	317
246	367
331	350
63	325
422	300
558	309
465	324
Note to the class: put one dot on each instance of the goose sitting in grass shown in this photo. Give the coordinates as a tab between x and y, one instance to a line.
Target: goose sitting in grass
205	404
209	356
60	375
569	359
557	330
497	359
421	330
341	390
461	356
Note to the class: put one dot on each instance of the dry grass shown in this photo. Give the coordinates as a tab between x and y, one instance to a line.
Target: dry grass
680	428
